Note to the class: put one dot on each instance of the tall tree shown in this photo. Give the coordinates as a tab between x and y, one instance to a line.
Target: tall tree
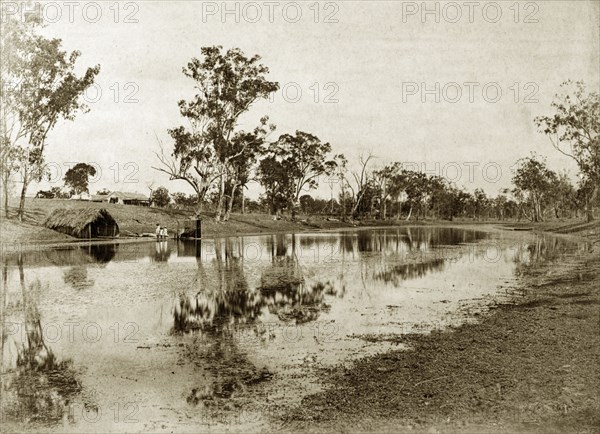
480	203
385	178
562	194
276	180
574	129
301	158
534	180
77	177
227	84
341	172
361	179
245	150
416	191
42	89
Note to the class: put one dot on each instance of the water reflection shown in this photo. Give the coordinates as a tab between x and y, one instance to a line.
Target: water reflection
36	386
220	299
160	252
103	253
396	274
223	299
77	277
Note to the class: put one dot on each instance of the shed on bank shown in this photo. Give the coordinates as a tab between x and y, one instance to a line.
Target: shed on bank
83	222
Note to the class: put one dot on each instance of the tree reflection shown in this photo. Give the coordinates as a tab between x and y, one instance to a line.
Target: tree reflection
284	290
77	277
224	307
398	273
36	386
542	248
223	303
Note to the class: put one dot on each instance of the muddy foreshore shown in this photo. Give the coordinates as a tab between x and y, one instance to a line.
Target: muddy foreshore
528	366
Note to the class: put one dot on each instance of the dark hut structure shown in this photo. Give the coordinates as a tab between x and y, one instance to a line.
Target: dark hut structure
83	223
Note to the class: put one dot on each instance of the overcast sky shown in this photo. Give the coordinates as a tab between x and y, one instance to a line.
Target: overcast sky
370	62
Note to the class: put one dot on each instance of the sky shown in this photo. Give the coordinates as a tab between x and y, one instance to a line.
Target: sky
452	91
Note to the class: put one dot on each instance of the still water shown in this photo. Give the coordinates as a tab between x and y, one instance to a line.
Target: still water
219	334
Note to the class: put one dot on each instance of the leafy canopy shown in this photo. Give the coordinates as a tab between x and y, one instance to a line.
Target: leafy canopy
574	128
77	177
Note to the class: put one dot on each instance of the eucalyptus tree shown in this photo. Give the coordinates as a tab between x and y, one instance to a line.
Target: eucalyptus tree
574	130
361	179
341	173
246	147
387	178
275	178
416	191
533	181
39	88
562	194
296	162
227	84
480	203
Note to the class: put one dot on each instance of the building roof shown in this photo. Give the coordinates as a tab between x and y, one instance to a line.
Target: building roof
81	196
74	221
129	196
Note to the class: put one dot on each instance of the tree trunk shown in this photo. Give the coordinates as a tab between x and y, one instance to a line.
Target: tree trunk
230	202
589	214
243	201
5	181
343	210
589	211
356	205
295	205
409	213
382	207
22	200
221	198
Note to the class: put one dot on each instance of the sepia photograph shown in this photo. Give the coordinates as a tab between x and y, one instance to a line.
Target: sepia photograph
304	216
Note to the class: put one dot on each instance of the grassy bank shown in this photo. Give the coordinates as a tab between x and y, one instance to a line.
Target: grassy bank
135	220
527	367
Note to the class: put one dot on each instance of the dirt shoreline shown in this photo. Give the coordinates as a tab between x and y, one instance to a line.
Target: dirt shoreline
533	366
33	237
17	236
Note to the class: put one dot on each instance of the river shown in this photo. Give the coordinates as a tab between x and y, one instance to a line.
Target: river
219	334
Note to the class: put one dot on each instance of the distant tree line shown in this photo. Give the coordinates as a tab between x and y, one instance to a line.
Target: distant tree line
218	160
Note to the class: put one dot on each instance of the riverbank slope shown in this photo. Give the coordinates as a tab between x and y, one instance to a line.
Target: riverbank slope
135	220
531	366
